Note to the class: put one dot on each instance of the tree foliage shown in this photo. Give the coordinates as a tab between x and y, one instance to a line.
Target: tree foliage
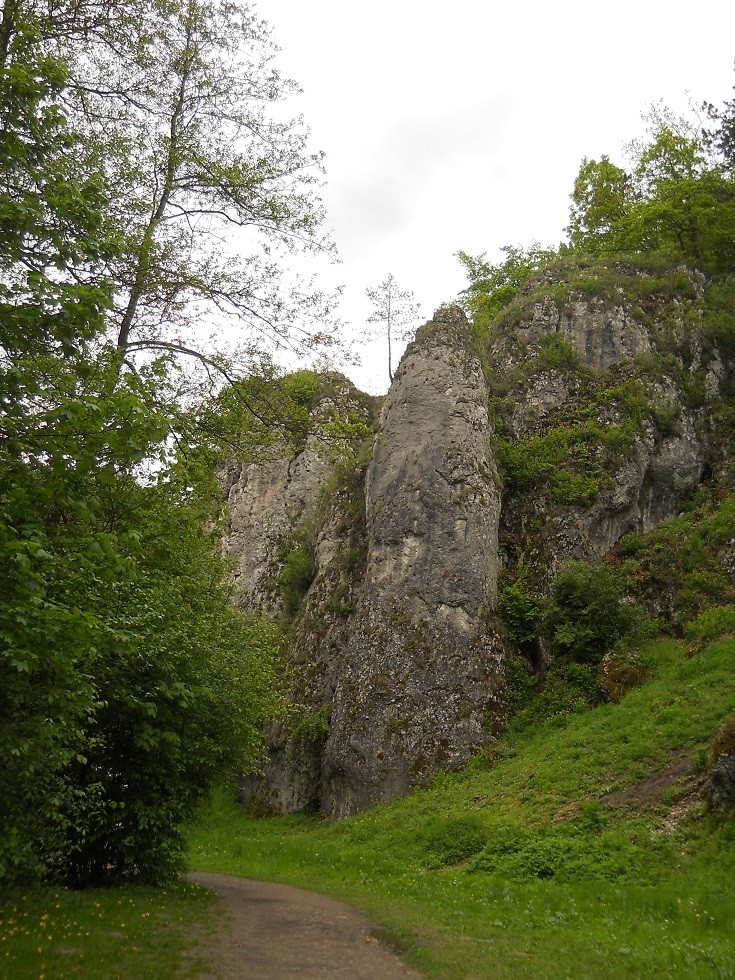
127	681
721	139
675	198
586	613
183	684
208	185
492	286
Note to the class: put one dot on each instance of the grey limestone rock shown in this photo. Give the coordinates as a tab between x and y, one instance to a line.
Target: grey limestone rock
603	335
721	788
664	450
397	660
270	498
265	502
420	680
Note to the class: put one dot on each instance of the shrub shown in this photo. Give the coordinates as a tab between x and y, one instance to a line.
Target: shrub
521	688
556	351
725	741
711	624
587	613
521	612
678	569
297	574
312	730
575	489
621	671
567	688
456	839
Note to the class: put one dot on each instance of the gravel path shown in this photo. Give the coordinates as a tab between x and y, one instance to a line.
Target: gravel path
271	932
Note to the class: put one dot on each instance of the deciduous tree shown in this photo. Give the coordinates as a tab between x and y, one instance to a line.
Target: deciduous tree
127	682
210	184
493	286
674	199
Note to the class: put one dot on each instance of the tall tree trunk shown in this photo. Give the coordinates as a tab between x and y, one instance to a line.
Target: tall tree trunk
7	28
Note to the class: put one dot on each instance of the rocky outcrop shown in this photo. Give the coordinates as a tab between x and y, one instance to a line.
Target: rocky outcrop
596	399
271	498
292	778
419	682
721	782
265	502
396	671
721	786
613	403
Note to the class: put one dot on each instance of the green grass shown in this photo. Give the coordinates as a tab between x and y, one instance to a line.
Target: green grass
573	864
571	860
114	932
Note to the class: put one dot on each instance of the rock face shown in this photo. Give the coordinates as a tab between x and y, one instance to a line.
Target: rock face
613	405
721	783
418	687
266	501
596	399
432	484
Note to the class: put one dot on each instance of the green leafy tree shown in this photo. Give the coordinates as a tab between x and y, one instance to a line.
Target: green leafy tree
52	298
208	188
127	683
601	203
60	463
394	309
721	139
183	681
492	286
50	314
674	200
586	613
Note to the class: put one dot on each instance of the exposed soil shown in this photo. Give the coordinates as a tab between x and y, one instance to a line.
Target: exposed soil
270	932
678	769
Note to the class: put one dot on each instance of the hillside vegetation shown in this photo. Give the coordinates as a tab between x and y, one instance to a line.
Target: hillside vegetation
579	846
582	843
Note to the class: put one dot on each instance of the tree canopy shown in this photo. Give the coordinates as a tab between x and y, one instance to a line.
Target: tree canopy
128	683
674	197
493	286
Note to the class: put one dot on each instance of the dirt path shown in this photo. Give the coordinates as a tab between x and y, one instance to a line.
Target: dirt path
271	932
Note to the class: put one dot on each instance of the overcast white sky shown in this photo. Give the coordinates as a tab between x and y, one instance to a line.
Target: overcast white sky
462	125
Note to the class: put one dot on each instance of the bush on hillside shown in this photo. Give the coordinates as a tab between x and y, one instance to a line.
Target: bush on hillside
456	839
587	613
621	671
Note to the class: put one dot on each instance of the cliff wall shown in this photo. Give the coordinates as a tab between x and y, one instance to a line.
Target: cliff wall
597	396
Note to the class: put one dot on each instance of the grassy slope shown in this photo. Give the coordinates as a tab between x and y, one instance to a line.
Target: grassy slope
590	869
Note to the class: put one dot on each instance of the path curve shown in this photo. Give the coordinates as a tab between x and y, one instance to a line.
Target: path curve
274	931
